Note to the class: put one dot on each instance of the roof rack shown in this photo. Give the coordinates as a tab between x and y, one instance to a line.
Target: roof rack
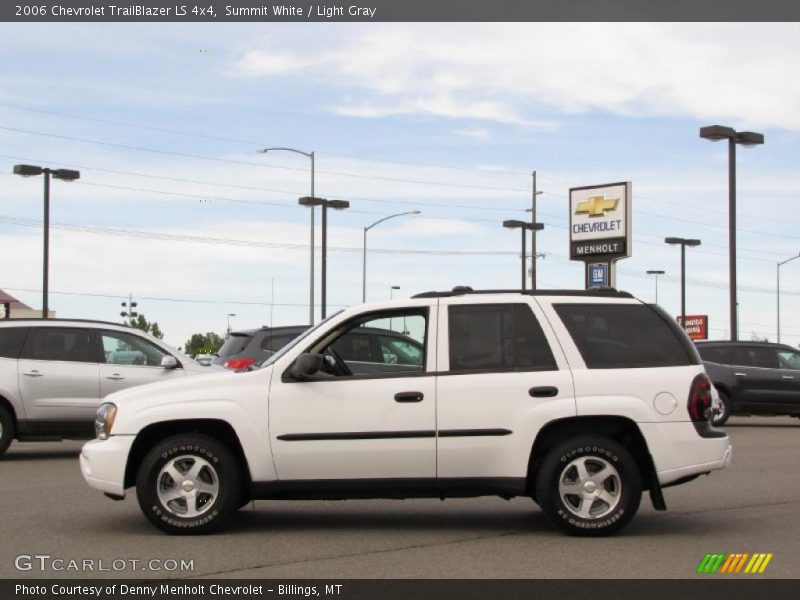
62	320
462	290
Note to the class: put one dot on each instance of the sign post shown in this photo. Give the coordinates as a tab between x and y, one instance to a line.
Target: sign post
600	230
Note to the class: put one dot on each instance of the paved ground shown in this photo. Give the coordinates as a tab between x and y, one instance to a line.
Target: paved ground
752	507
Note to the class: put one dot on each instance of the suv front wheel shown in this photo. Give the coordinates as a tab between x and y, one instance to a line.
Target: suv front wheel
188	484
589	486
6	429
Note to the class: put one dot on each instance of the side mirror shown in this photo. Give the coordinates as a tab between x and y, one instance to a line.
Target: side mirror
305	366
169	362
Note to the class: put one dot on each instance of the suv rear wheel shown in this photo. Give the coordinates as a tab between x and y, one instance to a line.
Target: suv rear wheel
589	486
6	429
188	484
724	414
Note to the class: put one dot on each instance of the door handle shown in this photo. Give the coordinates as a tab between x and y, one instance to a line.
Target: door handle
543	391
786	377
33	373
740	374
115	377
408	397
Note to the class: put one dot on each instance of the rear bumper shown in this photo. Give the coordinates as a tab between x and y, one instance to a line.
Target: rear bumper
679	452
103	463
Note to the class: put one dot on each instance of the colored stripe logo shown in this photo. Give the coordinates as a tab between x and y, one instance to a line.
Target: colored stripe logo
735	563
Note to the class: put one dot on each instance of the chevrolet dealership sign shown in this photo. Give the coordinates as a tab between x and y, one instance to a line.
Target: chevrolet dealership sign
600	222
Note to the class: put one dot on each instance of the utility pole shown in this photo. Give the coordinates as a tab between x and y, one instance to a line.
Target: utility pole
130	311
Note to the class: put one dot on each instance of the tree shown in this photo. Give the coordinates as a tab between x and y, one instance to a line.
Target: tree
203	343
144	325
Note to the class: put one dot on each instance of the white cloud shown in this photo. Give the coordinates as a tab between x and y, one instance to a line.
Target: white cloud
512	73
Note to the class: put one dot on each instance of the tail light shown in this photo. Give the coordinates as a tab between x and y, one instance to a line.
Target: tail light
699	403
238	364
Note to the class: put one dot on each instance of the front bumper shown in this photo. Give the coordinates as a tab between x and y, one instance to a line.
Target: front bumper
680	452
103	463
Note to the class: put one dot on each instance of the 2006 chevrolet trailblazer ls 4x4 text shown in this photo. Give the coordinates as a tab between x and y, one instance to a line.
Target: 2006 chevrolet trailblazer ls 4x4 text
578	399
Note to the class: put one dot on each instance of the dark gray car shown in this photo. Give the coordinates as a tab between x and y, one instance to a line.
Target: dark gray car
369	348
248	347
753	378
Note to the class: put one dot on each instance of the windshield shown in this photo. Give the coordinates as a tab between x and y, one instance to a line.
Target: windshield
297	340
234	344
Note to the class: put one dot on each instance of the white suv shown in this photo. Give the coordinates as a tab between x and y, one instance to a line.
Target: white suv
54	373
578	399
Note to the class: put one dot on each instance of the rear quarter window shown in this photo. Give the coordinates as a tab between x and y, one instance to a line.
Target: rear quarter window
624	336
11	341
235	344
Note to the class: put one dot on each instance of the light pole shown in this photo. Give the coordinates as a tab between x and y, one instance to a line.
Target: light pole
524	226
656	274
682	242
64	175
748	139
364	257
312	201
311	266
391	291
229	321
778	269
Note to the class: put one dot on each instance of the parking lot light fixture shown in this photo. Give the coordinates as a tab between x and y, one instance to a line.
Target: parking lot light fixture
778	289
524	226
364	254
748	139
309	155
682	242
64	175
312	201
655	274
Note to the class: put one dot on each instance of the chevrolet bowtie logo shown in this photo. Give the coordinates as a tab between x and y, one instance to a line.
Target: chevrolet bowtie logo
596	206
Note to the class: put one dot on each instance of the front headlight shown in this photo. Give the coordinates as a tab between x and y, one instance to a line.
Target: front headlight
105	420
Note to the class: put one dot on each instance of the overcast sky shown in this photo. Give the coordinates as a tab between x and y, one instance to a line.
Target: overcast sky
450	119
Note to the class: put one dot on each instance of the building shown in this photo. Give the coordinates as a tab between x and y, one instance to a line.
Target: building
11	308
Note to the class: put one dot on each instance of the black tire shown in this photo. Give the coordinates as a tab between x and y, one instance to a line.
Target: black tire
7	430
218	469
622	486
718	420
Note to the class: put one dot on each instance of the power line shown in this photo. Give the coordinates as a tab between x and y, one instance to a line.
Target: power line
260	189
252	143
163	299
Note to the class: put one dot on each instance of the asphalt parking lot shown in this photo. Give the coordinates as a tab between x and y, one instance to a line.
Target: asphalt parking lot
752	507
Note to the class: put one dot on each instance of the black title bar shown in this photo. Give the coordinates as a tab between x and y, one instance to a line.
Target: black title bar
400	10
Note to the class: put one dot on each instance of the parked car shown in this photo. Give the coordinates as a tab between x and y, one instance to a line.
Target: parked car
54	373
753	378
578	399
244	349
204	359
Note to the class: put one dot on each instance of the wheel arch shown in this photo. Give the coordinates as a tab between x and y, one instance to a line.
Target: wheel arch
10	408
621	429
218	429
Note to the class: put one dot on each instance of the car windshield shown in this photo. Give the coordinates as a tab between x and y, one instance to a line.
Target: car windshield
297	340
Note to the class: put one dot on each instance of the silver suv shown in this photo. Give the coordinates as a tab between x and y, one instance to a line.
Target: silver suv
54	374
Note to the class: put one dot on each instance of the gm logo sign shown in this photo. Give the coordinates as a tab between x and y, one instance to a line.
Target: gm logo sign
598	275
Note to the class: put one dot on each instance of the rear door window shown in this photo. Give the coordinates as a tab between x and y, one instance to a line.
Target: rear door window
716	354
497	337
754	356
235	344
12	340
62	343
621	336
